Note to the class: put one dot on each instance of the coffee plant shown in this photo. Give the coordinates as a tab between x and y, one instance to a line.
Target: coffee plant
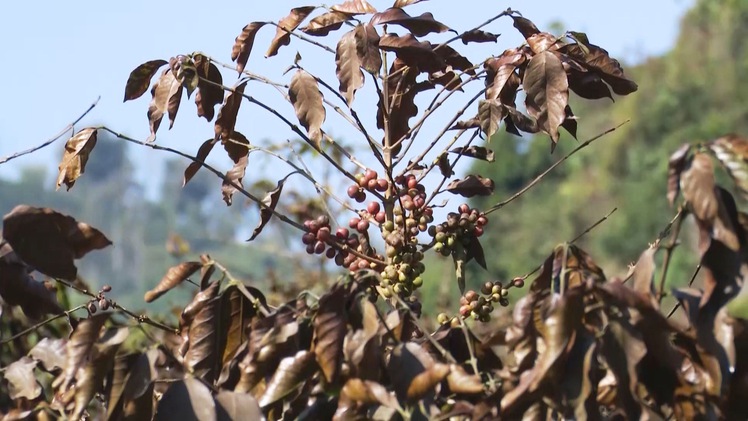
577	345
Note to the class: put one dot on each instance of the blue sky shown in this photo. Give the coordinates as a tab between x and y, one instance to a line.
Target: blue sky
60	56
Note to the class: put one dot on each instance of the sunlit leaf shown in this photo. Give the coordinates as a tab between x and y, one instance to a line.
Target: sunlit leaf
325	23
269	202
208	95
367	48
697	183
289	375
329	332
75	157
547	89
307	102
50	352
238	150
232	406
499	71
166	95
21	380
224	127
732	153
174	276
490	114
472	185
203	354
417	25
140	78
237	313
348	66
403	3
354	7
286	26
243	45
50	241
460	381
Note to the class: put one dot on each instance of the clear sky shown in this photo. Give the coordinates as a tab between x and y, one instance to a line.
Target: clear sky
60	56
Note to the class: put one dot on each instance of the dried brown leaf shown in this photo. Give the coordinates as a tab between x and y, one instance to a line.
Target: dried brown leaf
597	59
166	94
185	72
19	288
289	375
79	348
238	149
675	167
49	241
208	94
194	166
307	102
243	45
203	354
329	332
520	121
286	26
588	85
74	159
417	25
460	381
732	153
50	352
348	66
269	202
187	399
233	406
499	71
367	48
174	276
238	312
224	127
403	3
547	89
400	101
21	380
477	152
490	114
697	183
140	78
525	26
325	23
355	7
472	185
476	35
417	54
413	372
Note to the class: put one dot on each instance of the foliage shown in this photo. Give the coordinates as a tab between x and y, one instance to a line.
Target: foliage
578	345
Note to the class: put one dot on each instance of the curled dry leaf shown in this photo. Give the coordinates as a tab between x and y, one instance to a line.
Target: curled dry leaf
472	185
224	127
525	26
166	96
417	25
697	183
460	381
174	276
329	331
74	159
140	78
49	241
477	152
50	352
403	3
476	35
286	26
195	166
473	123
203	354
307	102
417	54
597	60
499	71
547	89
208	94
19	288
290	374
490	114
21	380
325	23
185	71
243	45
732	153
367	48
238	149
588	85
400	102
79	348
269	202
355	7
348	66
521	121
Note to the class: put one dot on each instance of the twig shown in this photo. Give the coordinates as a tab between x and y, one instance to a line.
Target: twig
690	283
537	179
469	343
141	318
42	323
445	177
255	301
669	248
303	38
53	139
446	354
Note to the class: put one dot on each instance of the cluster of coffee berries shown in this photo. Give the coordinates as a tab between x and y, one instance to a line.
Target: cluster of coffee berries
402	275
479	306
460	227
319	239
101	300
412	212
368	180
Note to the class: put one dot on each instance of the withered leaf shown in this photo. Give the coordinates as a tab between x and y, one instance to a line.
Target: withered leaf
417	25
588	85
325	23
194	166
368	392
238	150
237	312
243	45
525	26
232	406
21	380
269	202
49	241
329	332
443	163
490	114
290	373
307	102
547	89
286	26
367	48
460	381
475	251
520	121
403	3
50	352
203	355
697	183
477	152
472	185
348	66
644	272
354	7
174	276
732	153
140	78
166	96
500	70
476	35
208	95
454	59
74	159
542	41
597	59
417	54
226	120
410	372
19	288
401	102
675	167
79	347
473	123
187	399
185	71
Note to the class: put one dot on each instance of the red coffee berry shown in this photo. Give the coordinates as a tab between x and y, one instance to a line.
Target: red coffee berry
319	247
362	225
478	231
360	197
380	217
370	174
323	234
330	253
310	249
353	223
382	184
342	233
412	183
308	238
373	208
352	190
464	208
371	185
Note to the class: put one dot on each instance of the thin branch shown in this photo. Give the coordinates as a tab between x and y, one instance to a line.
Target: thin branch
537	179
42	323
669	248
445	177
303	38
48	142
690	283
